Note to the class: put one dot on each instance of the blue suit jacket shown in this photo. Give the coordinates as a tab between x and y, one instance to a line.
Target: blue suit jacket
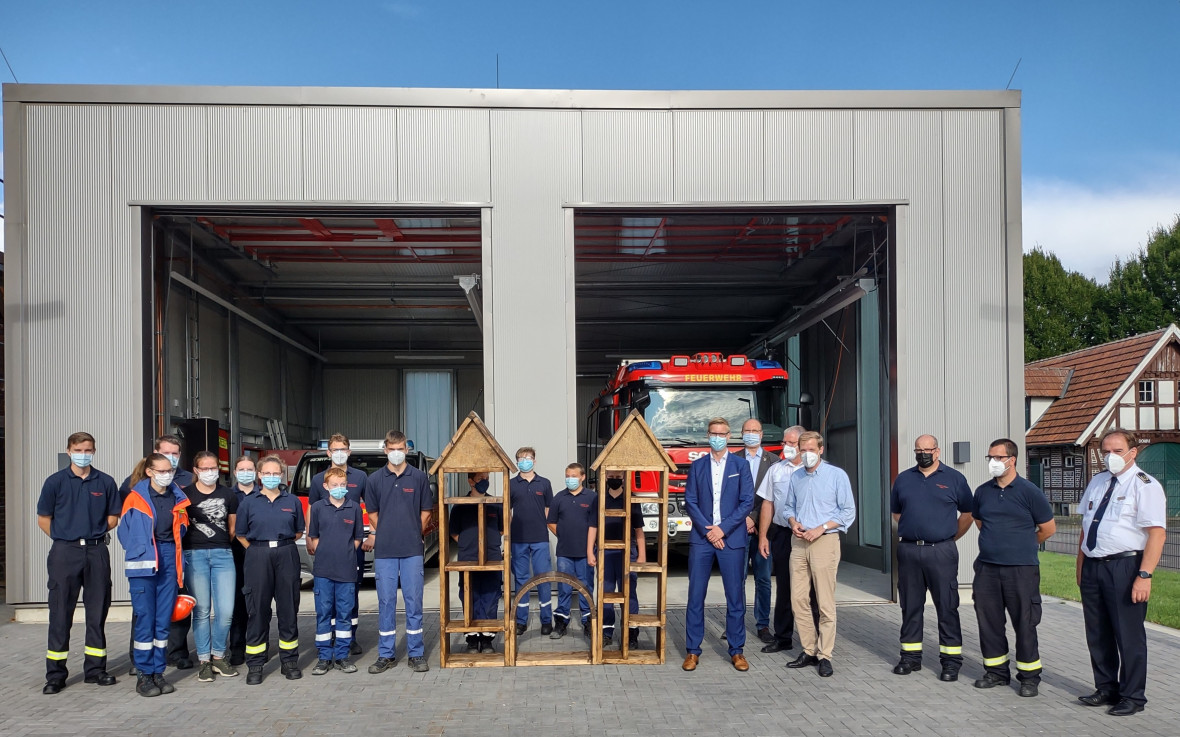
737	499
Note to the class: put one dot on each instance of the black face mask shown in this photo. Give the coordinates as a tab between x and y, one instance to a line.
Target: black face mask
613	484
925	460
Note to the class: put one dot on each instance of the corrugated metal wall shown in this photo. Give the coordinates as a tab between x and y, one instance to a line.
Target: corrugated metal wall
956	169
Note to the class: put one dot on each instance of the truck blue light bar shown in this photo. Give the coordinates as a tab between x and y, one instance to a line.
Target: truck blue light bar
763	364
645	366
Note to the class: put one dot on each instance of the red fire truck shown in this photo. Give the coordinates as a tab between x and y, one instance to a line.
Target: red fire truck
678	396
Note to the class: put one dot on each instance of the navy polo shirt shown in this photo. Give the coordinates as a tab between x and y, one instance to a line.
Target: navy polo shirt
464	522
260	519
529	501
613	526
356	486
1010	515
242	496
574	516
929	505
337	529
79	506
183	479
398	502
162	505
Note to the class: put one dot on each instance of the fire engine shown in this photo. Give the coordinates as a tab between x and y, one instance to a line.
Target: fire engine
677	397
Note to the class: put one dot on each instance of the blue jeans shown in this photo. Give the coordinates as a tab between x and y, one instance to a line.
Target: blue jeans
209	576
580	568
389	571
535	555
152	600
761	568
333	602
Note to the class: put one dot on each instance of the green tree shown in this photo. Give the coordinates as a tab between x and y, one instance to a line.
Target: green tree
1143	293
1060	312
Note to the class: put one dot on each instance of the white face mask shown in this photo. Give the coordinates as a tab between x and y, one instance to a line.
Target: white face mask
163	480
339	457
397	457
1115	463
996	468
810	460
790	453
207	477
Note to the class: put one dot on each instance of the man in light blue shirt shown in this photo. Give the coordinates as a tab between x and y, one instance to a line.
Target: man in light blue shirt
818	506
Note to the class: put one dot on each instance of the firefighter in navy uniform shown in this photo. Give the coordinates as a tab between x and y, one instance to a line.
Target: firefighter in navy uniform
1014	518
78	507
269	523
246	483
931	504
1124	521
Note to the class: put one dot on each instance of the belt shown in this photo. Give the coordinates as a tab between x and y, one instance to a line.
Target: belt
927	542
272	543
104	540
1116	556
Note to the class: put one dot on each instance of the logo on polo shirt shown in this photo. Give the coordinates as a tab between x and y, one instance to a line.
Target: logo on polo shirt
349	521
408	489
942	486
97	493
584	506
287	510
540	493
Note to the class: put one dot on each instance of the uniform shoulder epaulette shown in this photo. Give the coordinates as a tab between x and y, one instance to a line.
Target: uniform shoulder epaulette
1144	477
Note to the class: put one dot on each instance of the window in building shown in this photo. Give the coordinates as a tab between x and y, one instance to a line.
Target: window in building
1147	392
1069	461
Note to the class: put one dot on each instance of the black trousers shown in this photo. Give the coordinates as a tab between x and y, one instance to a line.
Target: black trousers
236	646
933	568
1017	591
1114	627
75	568
780	557
272	574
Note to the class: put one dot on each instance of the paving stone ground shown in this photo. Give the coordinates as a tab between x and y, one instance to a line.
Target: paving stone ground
863	698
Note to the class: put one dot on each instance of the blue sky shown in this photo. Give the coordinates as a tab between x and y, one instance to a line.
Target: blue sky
1101	129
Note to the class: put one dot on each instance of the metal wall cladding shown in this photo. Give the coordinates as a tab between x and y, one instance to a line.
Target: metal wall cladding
468	393
430	409
258	368
176	389
362	403
303	399
627	156
350	154
444	155
719	155
255	153
809	155
214	363
536	167
163	152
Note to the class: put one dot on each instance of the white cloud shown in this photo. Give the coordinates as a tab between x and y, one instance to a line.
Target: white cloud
1089	227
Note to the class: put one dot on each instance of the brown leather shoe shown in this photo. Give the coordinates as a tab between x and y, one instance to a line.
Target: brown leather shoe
690	662
739	662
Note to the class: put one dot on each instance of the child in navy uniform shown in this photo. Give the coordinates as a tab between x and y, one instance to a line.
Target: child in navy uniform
612	560
570	516
335	530
486	586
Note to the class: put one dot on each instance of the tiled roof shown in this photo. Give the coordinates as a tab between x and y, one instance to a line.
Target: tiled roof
1044	382
1097	373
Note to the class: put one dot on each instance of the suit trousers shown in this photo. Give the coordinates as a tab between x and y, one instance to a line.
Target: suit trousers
732	562
1114	627
815	564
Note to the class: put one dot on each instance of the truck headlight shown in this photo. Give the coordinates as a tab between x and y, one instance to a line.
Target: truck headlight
649	509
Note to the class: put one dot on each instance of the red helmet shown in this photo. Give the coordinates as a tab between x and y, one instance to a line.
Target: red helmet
184	607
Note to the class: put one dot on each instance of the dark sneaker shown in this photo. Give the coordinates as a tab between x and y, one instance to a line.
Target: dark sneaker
254	675
991	680
146	686
206	674
633	639
522	628
472	643
321	667
382	664
164	686
102	679
354	648
222	668
291	671
546	628
345	666
485	644
765	635
419	665
608	635
558	631
586	629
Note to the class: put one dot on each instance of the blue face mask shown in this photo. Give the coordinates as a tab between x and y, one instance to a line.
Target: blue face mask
525	464
174	460
81	460
245	477
338	492
482	486
751	439
718	442
572	483
272	482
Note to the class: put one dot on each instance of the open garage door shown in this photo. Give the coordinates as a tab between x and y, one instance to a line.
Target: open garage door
806	289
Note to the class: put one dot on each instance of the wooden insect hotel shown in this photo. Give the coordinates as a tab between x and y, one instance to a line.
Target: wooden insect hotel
632	449
473	450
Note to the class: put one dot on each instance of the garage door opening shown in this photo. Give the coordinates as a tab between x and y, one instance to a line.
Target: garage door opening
807	290
284	326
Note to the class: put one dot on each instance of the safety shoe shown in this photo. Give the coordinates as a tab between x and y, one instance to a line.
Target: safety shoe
254	675
586	629
146	686
558	631
485	644
949	674
991	680
633	638
291	671
102	679
354	648
345	666
546	628
472	643
1028	690
222	667
53	687
321	667
382	664
522	628
419	665
206	674
906	667
164	686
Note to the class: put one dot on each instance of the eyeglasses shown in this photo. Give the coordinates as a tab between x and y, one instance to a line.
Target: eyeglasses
925	450
719	435
996	458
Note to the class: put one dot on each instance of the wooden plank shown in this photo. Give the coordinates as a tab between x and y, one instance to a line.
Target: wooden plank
649	567
635	657
614	545
647	620
456	626
616	512
568	658
476	499
476	660
613	597
457	566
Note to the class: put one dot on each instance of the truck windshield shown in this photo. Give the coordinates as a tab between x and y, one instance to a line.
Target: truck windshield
682	414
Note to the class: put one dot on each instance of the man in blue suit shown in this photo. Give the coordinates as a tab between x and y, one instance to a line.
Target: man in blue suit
719	495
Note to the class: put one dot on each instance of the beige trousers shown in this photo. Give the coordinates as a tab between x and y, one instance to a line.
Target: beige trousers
815	564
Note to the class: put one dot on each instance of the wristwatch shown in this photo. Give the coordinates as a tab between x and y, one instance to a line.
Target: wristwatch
1144	574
